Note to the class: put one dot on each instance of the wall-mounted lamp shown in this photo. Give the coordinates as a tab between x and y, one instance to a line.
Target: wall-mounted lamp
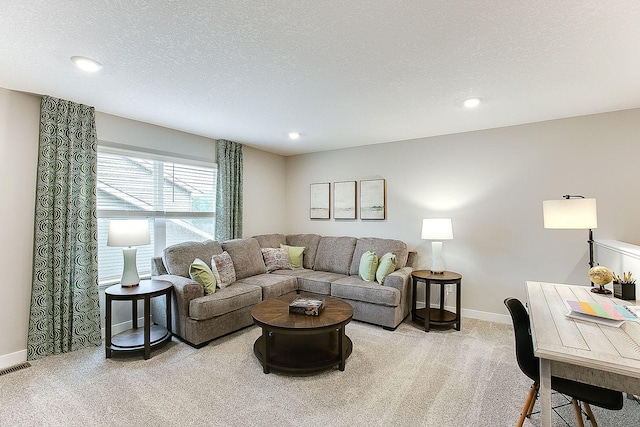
572	212
437	229
128	234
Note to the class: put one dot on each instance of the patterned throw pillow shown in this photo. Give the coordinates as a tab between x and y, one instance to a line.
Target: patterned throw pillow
276	259
201	273
368	266
223	270
386	266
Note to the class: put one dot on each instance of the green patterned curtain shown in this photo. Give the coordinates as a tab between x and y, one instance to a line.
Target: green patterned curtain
65	311
229	190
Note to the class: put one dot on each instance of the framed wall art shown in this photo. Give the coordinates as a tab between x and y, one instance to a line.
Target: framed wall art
373	199
344	200
319	201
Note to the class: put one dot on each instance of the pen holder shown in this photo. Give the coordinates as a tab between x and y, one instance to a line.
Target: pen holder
625	291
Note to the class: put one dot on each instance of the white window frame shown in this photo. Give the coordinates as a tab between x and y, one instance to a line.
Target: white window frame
159	217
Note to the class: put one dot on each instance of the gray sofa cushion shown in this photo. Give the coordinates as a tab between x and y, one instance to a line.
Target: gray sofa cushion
246	256
335	254
310	243
226	300
319	282
380	247
354	288
178	258
273	285
271	240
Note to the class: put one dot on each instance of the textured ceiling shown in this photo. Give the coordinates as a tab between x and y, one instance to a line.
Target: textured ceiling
341	72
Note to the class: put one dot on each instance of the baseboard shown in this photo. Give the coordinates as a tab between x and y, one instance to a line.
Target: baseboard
474	314
12	359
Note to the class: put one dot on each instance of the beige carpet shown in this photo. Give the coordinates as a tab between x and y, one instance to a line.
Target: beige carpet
401	378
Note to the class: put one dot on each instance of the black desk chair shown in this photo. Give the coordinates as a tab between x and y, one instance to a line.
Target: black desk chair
530	366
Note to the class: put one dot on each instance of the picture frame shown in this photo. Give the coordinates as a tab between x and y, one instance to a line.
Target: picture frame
319	201
373	199
344	200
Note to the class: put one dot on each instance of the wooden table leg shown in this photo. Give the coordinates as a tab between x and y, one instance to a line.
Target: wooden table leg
413	299
169	320
107	326
341	349
427	305
147	326
458	314
266	350
545	391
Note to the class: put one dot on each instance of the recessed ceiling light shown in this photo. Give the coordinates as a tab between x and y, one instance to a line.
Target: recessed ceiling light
86	64
472	102
294	135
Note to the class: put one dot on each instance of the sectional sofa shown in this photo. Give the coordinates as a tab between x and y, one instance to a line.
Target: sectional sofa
330	267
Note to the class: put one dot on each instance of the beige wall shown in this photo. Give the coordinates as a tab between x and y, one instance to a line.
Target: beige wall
19	118
492	184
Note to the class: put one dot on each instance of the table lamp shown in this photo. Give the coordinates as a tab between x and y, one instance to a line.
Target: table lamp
437	229
572	212
128	234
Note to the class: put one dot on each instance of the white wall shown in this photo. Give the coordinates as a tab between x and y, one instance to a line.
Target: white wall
492	184
19	121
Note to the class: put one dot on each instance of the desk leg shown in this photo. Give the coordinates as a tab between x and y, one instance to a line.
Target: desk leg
427	305
107	327
147	326
545	391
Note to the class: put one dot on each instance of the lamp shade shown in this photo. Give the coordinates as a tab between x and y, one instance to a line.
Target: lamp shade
570	214
128	232
437	229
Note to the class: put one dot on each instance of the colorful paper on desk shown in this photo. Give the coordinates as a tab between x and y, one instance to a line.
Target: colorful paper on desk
611	314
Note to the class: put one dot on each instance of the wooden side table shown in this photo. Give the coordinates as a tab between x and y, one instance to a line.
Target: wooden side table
436	316
135	339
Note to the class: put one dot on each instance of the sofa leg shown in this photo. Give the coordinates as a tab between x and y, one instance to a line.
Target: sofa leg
388	328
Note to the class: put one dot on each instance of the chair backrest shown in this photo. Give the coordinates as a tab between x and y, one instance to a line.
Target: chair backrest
528	362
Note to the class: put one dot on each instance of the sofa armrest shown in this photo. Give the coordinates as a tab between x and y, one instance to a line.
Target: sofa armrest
157	266
399	279
184	290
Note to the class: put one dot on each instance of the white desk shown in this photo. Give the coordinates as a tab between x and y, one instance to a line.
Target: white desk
582	351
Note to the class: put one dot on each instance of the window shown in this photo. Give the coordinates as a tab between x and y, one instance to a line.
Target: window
177	197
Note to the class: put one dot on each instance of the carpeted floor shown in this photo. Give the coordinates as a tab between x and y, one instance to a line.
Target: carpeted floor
402	378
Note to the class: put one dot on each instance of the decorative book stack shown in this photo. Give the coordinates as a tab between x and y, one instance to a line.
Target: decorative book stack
308	306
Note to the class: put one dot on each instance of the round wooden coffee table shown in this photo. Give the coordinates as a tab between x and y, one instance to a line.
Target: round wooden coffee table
297	343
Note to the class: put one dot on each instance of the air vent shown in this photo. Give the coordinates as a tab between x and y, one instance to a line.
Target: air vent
15	368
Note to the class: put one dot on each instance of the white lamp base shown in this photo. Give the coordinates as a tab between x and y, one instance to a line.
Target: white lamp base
130	271
437	263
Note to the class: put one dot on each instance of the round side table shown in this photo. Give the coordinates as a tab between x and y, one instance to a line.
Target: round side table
436	316
136	339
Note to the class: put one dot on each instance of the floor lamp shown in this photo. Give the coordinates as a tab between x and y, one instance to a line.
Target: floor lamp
572	212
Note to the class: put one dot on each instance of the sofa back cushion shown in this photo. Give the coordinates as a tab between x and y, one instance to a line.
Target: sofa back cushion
380	247
271	240
310	243
335	254
246	256
178	258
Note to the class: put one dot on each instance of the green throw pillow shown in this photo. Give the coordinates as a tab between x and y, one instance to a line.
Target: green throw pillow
368	266
386	266
201	273
295	255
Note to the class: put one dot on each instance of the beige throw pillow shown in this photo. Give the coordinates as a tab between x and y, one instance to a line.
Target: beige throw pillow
223	270
276	259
